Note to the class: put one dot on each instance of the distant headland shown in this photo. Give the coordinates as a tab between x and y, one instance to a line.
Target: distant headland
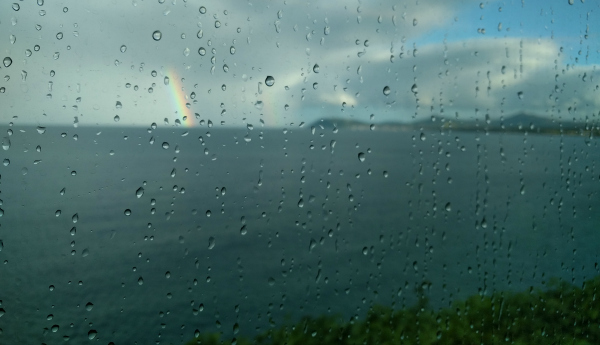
518	123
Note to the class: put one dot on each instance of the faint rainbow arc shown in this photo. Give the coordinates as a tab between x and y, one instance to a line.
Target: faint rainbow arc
179	100
272	108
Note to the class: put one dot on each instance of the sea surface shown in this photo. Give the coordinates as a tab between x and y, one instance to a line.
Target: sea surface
140	236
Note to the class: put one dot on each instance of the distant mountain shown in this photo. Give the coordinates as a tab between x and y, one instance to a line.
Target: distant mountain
517	123
334	123
525	121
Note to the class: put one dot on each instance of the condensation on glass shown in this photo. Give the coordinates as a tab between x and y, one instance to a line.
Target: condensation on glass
299	172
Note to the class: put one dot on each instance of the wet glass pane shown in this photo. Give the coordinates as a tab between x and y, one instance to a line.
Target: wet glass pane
397	172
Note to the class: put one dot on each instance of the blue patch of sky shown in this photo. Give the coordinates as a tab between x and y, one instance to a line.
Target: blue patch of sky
575	27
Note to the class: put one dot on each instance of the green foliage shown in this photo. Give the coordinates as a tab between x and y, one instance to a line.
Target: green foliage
563	314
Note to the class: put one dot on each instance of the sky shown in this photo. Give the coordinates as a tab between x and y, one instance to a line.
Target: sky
97	63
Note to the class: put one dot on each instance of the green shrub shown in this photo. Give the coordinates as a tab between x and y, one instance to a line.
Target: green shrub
563	314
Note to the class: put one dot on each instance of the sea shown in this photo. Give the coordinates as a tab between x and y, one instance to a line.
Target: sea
131	235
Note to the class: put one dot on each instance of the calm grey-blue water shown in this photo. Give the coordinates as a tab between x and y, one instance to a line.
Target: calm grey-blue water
139	236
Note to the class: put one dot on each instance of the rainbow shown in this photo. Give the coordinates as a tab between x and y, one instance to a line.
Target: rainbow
179	99
271	107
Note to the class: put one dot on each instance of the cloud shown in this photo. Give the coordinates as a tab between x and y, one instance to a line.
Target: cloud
360	48
492	76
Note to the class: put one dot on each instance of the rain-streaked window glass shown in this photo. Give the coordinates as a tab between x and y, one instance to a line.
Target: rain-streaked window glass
294	172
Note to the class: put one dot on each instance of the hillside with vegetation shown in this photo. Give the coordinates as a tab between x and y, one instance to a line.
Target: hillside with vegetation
561	314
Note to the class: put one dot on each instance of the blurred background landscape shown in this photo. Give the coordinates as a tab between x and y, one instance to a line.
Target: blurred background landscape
174	169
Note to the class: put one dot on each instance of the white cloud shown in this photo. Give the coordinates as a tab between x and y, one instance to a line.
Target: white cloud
360	49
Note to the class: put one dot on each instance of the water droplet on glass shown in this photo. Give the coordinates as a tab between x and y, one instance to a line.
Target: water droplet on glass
448	207
54	328
123	48
89	306
16	6
165	145
232	50
92	334
386	90
157	35
316	68
312	244
5	144
140	281
211	242
202	9
7	61
116	118
186	52
41	130
202	51
75	218
59	36
139	192
414	88
520	94
127	212
571	2
269	81
361	156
